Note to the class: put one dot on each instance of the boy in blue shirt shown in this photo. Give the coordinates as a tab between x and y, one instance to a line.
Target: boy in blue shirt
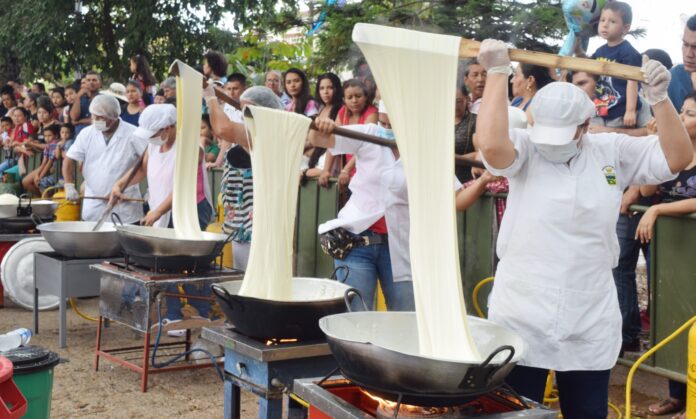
620	104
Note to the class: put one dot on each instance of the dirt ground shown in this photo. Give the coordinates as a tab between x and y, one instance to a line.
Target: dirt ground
114	392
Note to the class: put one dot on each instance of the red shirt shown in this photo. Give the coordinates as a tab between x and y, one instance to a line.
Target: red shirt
380	226
22	132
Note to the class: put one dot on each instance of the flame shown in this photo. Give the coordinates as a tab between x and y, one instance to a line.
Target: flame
274	341
390	406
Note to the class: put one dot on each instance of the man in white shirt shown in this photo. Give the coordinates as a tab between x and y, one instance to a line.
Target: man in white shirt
107	149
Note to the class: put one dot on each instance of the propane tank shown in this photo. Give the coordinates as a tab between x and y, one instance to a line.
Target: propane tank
66	211
691	375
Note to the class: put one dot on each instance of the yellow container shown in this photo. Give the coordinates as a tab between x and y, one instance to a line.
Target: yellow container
66	211
227	260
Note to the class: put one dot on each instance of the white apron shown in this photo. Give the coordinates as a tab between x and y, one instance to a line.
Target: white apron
558	244
160	178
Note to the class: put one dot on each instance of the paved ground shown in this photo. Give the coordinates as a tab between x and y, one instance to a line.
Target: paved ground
114	392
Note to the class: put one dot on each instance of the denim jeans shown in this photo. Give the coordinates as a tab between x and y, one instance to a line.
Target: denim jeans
625	275
174	304
583	394
367	264
8	163
677	390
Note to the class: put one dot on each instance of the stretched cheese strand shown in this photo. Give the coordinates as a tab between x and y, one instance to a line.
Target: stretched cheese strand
188	115
416	73
277	141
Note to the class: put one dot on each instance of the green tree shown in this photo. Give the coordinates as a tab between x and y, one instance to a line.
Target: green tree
531	25
50	39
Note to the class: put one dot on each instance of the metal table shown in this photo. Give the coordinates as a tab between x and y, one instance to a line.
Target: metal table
129	295
266	370
6	243
67	278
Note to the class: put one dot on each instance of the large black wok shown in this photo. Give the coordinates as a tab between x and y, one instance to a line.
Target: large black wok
379	352
312	299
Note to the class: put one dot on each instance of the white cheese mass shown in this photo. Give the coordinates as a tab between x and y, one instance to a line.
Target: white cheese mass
277	140
416	73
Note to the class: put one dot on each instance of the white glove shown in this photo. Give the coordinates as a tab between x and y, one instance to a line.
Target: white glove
493	56
71	193
209	92
657	79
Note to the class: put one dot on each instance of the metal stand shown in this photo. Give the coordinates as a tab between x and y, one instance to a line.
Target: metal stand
266	370
129	298
66	278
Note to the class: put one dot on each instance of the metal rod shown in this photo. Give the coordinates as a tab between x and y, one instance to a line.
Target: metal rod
372	139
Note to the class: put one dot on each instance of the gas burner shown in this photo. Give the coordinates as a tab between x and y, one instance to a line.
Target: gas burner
386	411
150	274
336	396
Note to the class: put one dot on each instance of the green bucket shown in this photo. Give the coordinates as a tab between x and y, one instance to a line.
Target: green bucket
33	375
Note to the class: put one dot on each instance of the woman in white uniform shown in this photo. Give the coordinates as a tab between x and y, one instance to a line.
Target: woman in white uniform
557	243
158	128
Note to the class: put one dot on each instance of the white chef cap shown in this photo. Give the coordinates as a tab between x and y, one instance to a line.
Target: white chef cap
262	96
154	118
558	109
106	106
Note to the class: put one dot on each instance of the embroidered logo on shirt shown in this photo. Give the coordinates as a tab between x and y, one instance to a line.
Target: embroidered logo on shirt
609	174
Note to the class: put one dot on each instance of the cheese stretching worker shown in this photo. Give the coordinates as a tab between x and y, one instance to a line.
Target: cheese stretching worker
557	243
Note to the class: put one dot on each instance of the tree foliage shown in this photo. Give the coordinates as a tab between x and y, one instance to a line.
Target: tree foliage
50	39
531	25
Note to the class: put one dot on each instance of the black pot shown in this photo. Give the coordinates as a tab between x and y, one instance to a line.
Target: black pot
313	298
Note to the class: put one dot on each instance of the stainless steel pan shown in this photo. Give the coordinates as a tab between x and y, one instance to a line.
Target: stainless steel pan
379	351
27	207
76	239
163	242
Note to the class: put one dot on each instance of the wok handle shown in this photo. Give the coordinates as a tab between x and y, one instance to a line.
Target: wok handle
217	250
481	375
493	354
19	203
36	219
334	274
116	219
224	295
348	298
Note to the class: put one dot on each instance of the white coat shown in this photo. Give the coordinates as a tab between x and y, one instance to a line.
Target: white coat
104	164
381	185
557	246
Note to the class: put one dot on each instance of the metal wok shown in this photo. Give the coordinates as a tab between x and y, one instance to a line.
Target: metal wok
312	299
379	352
75	239
25	207
163	242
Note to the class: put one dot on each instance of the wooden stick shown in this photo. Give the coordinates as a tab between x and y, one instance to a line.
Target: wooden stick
222	95
469	49
101	198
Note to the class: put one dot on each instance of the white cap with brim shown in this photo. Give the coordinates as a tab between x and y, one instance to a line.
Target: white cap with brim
558	109
154	118
116	90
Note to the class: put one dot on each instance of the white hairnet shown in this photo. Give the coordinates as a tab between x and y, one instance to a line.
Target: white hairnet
262	96
154	118
106	106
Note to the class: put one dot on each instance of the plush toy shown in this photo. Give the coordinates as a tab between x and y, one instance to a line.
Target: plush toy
582	17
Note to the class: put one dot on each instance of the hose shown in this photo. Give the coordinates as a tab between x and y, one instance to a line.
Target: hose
616	410
79	313
474	295
663	342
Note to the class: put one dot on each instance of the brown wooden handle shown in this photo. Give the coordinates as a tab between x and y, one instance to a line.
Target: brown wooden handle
469	49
